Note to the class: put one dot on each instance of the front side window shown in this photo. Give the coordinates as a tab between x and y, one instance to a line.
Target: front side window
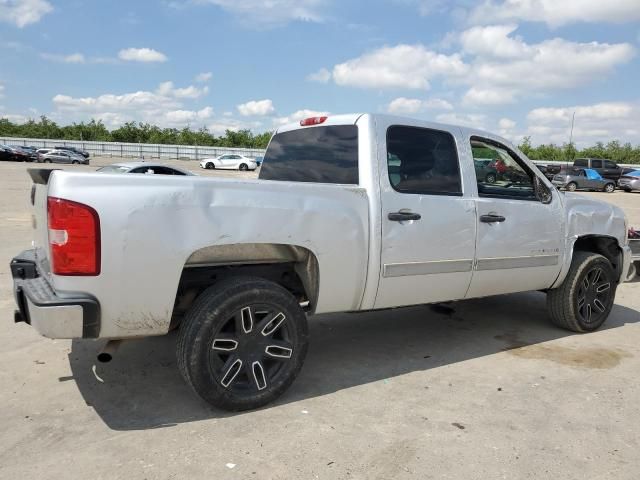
422	161
505	176
609	164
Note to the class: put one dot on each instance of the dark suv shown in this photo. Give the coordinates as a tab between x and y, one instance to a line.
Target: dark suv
606	168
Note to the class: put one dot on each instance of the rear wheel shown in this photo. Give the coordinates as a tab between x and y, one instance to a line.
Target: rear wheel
47	161
244	167
242	343
490	178
571	186
584	300
609	188
75	162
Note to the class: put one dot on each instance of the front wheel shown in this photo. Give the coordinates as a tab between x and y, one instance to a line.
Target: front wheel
210	166
609	188
584	300
75	162
242	343
490	178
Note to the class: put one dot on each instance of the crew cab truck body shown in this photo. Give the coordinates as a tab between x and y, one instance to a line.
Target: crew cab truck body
351	212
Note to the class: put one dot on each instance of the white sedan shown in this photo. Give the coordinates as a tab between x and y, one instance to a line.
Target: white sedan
229	161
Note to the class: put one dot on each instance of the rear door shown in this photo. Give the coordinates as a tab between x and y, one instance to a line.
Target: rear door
519	243
428	224
611	170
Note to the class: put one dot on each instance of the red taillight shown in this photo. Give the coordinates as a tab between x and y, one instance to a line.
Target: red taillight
74	237
312	121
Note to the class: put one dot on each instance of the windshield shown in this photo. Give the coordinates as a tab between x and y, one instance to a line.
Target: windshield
113	169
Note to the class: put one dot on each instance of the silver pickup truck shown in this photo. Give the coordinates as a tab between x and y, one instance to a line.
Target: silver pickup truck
350	213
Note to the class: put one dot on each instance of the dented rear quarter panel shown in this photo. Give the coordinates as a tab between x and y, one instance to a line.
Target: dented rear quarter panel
150	225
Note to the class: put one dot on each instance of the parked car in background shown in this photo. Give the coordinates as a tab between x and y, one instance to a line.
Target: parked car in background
585	179
485	169
75	150
62	156
630	181
606	168
229	161
144	168
30	152
20	154
8	154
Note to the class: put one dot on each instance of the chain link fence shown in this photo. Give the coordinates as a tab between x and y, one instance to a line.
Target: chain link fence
135	150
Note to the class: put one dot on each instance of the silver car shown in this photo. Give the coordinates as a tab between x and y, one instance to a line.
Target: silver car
62	156
630	181
587	179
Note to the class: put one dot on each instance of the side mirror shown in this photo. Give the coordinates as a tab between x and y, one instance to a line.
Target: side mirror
542	192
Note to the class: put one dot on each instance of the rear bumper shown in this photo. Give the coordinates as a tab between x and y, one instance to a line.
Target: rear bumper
76	316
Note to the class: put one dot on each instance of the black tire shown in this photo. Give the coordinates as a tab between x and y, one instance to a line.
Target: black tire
609	188
628	190
490	178
590	286
235	314
243	167
210	166
75	162
571	186
47	161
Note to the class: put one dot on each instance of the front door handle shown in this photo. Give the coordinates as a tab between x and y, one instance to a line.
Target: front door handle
492	218
403	216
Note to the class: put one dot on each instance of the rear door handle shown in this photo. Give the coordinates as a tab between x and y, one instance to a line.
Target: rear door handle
492	218
403	216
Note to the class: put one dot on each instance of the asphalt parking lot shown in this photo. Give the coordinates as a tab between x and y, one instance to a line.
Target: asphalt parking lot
478	389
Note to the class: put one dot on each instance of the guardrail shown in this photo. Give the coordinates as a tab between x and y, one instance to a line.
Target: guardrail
136	150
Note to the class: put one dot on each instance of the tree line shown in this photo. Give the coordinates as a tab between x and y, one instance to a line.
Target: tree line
132	132
138	132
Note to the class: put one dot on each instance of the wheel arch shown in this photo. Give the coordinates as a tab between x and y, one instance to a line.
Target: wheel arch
294	267
605	245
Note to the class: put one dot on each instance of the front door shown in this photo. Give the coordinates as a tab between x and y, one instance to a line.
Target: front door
428	225
519	245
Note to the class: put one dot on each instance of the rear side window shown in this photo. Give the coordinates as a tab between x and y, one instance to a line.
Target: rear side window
317	154
609	164
596	163
581	162
422	161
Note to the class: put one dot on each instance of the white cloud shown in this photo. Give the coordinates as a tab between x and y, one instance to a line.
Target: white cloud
23	12
474	120
272	13
145	55
504	67
321	76
299	115
14	118
71	58
597	122
256	108
403	105
165	106
506	124
402	66
204	77
220	127
192	92
556	13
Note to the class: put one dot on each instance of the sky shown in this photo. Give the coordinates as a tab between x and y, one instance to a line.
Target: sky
514	67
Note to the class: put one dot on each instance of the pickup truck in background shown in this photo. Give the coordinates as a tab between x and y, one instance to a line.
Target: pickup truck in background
606	168
350	213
